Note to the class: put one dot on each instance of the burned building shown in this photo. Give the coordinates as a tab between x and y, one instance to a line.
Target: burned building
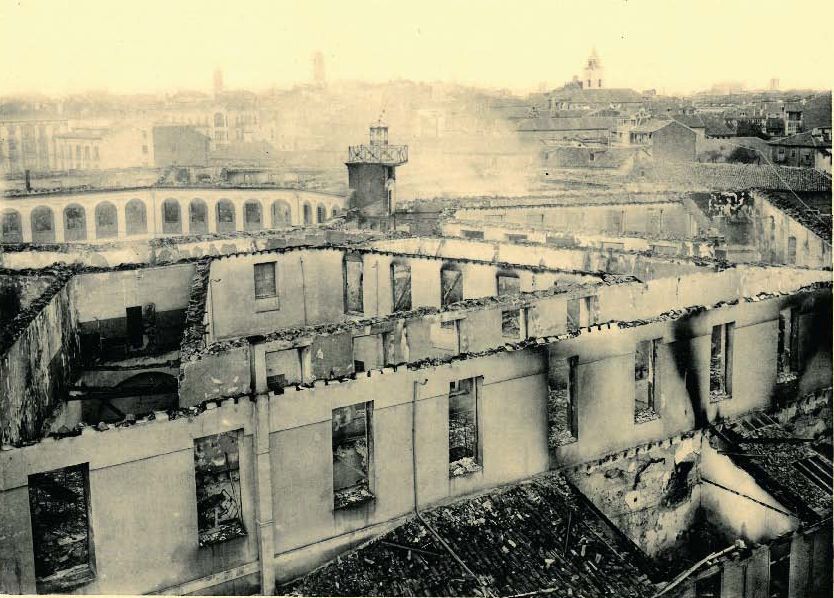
576	396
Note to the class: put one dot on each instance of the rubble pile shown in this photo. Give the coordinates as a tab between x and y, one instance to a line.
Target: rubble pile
536	536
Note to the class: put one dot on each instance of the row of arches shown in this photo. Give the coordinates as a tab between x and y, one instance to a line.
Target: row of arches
106	219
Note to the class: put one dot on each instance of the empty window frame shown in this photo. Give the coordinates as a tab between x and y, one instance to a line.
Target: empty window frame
401	286
265	283
464	440
562	412
368	352
514	324
788	345
721	361
581	312
217	473
445	335
354	275
283	368
352	454
451	284
645	379
59	504
507	283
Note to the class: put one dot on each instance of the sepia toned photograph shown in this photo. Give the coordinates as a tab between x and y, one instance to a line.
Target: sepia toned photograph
365	298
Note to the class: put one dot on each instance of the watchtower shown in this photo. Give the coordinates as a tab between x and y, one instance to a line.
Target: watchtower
372	176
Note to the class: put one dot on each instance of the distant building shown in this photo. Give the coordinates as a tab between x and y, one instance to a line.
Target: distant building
218	81
551	129
594	99
666	140
694	122
29	144
179	146
592	73
104	148
803	149
318	69
774	84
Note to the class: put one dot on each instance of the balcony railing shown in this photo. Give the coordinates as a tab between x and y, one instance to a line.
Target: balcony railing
378	154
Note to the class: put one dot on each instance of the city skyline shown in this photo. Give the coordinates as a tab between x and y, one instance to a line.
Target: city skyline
157	48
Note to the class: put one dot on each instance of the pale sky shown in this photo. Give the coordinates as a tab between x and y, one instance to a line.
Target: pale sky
63	46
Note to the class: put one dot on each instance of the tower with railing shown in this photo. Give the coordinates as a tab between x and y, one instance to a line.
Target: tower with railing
372	176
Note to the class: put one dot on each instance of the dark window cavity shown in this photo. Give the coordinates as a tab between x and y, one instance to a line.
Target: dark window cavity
217	471
252	216
721	361
265	284
401	285
352	455
354	274
645	379
513	324
464	446
788	345
562	412
508	284
59	505
451	284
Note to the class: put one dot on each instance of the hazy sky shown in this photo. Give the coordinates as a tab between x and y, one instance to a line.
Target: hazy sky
57	46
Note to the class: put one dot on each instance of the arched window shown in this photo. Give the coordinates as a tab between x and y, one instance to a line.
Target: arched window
171	218
225	216
75	223
334	213
308	215
280	214
106	223
11	231
321	214
197	216
252	216
136	219
43	225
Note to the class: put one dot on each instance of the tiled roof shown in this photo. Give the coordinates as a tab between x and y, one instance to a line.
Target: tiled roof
693	121
530	537
568	124
716	126
790	470
651	125
735	177
801	140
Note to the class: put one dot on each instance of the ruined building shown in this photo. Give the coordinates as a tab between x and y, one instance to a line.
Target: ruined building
329	410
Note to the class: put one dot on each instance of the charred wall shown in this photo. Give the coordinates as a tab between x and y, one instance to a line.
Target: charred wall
35	367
